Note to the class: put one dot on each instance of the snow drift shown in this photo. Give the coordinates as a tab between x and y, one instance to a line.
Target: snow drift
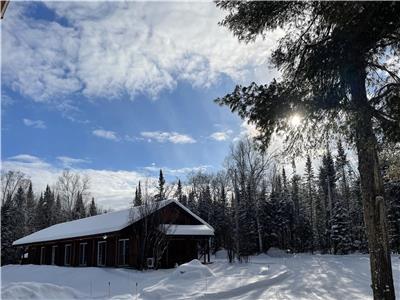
35	290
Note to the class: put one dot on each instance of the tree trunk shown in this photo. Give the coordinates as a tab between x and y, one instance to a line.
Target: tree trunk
372	192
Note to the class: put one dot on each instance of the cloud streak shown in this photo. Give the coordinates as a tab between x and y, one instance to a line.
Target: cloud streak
106	134
221	135
172	137
34	123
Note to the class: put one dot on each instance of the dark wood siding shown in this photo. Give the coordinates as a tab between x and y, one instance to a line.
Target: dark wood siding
181	249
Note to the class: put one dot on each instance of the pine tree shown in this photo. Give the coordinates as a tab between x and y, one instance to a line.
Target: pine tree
8	225
340	229
48	207
40	214
20	213
178	193
138	196
310	192
205	204
92	208
30	210
161	187
327	182
57	212
78	212
191	202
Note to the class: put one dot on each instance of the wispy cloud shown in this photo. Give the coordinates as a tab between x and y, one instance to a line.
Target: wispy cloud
69	162
34	123
172	137
178	171
221	135
109	49
106	134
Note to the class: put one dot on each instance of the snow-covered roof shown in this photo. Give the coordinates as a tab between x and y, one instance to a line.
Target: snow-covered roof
104	223
172	229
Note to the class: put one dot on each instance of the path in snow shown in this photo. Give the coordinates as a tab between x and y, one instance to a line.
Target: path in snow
293	277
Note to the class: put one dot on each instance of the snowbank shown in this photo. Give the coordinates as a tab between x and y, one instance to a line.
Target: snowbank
221	254
276	252
35	290
191	271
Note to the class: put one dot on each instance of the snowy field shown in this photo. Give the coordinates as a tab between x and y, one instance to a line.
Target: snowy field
264	277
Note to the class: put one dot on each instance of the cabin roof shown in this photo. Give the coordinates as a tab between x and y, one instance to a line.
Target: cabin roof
104	223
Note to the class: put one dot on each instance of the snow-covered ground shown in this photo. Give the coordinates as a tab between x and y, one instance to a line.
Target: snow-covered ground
264	277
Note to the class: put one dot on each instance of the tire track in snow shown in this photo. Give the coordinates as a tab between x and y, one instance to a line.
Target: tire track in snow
265	284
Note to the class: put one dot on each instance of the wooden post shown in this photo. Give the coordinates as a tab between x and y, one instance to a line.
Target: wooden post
204	251
208	250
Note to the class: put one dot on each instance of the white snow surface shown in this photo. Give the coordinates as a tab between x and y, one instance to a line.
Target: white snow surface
187	229
297	277
99	224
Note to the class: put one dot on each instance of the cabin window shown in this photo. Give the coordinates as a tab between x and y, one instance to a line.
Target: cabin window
82	254
123	251
101	253
42	255
53	255
67	255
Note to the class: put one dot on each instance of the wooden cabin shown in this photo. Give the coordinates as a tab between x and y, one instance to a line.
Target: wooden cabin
113	239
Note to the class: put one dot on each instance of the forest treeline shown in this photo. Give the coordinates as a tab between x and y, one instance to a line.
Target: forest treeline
253	203
24	212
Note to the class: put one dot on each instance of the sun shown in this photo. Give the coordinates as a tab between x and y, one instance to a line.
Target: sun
295	120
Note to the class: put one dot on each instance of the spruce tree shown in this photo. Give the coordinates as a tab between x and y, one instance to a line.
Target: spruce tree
310	194
48	207
30	210
57	212
20	213
340	229
138	196
40	214
78	211
178	194
161	187
8	226
92	208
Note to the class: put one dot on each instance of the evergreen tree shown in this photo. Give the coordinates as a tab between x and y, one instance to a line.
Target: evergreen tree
79	212
48	206
30	210
248	227
178	193
8	225
205	204
340	229
192	202
57	211
20	213
327	182
161	187
93	208
40	214
138	196
310	194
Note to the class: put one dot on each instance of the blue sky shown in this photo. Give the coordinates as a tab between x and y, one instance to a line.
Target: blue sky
118	90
